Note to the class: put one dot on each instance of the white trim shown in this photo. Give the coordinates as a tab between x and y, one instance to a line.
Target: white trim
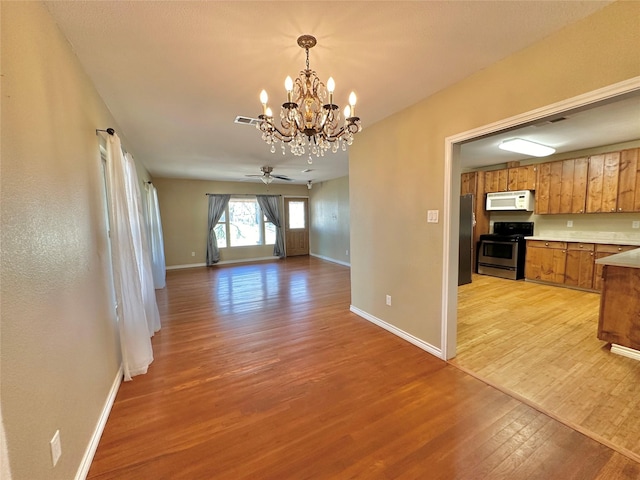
187	265
330	259
246	260
449	292
85	464
427	347
625	351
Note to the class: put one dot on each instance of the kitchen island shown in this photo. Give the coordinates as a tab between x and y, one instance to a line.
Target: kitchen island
619	322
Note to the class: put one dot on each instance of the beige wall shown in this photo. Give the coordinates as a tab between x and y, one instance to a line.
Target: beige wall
329	206
183	209
396	167
59	350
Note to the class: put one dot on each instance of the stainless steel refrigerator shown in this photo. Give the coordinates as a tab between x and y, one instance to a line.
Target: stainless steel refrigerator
465	251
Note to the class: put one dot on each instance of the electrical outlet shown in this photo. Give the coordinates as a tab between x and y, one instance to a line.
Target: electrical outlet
635	224
193	254
432	216
389	300
56	448
569	223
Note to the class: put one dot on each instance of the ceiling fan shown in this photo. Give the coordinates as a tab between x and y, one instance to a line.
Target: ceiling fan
267	177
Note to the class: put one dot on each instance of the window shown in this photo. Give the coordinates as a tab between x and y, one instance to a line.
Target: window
243	224
296	215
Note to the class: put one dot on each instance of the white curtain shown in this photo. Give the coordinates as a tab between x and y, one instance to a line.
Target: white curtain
137	310
5	469
156	242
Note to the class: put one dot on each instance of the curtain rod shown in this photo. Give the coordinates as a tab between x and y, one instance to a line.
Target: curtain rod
109	130
240	194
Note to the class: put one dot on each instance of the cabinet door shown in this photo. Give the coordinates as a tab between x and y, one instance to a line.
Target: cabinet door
546	262
579	266
542	191
555	187
468	183
522	178
579	183
602	187
629	181
495	181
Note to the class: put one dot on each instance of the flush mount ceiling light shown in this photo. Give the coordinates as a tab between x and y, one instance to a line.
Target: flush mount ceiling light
309	122
519	145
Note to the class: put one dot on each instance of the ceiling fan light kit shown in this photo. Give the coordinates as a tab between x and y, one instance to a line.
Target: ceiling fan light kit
309	120
267	177
526	147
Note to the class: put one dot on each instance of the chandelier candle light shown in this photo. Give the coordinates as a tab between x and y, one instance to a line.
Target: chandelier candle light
305	119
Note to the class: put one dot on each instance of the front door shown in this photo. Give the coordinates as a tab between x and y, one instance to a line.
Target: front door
296	226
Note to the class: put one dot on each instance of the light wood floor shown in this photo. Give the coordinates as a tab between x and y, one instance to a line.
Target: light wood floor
540	342
262	372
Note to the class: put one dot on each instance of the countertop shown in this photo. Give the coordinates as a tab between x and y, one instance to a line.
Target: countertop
630	259
609	238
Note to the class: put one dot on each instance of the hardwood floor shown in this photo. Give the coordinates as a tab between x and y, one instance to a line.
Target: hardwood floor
262	372
539	342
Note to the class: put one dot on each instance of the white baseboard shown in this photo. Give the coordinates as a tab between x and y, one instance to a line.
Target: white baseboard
188	265
83	470
223	262
340	262
427	347
625	351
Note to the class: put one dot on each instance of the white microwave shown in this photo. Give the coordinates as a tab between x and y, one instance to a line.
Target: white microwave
519	200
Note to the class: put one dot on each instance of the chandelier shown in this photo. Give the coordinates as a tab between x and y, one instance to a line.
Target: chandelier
309	122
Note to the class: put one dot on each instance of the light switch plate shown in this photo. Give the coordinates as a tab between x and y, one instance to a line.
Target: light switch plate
432	216
635	224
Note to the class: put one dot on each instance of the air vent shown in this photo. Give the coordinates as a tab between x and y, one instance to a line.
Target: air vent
246	120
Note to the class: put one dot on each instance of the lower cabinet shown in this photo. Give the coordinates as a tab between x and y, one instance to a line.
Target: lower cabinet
545	261
580	265
568	263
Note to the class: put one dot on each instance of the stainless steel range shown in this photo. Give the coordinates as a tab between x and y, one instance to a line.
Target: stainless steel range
502	253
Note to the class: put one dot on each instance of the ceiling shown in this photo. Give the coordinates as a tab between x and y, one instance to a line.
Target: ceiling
176	74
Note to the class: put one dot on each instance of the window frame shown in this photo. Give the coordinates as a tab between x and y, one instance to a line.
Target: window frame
262	233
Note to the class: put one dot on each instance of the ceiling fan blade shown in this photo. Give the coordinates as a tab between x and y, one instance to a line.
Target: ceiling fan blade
254	175
283	177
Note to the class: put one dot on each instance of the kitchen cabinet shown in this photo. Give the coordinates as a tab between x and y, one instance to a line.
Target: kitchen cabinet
522	178
602	186
602	251
546	261
629	181
474	183
562	186
580	265
619	320
496	181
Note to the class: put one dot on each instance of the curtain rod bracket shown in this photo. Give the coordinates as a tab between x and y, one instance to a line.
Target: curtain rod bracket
110	131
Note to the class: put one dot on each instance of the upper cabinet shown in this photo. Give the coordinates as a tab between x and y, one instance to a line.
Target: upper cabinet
510	179
604	183
562	186
496	181
629	181
602	188
522	178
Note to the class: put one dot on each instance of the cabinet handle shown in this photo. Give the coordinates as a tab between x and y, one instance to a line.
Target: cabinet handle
591	254
619	249
620	209
546	244
564	251
581	246
613	209
580	211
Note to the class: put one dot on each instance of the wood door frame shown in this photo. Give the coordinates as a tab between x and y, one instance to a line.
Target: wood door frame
451	208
